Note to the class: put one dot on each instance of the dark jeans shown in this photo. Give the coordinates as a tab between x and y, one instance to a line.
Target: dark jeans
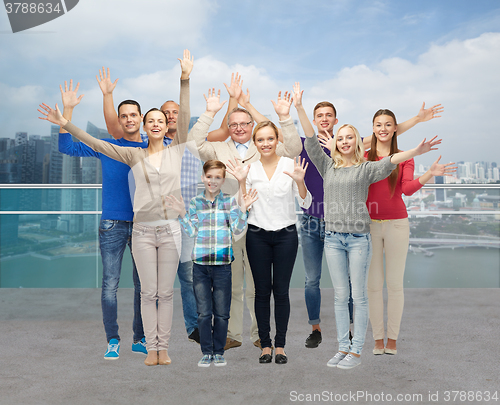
114	236
212	290
272	256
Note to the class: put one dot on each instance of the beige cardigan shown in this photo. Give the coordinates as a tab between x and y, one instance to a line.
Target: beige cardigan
150	185
223	151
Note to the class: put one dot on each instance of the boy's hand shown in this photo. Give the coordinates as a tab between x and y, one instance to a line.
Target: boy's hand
325	140
69	96
176	205
249	198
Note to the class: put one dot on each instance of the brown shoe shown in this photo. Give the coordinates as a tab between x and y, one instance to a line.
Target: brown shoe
257	344
163	358
152	358
230	343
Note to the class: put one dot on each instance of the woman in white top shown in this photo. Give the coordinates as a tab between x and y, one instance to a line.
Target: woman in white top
272	240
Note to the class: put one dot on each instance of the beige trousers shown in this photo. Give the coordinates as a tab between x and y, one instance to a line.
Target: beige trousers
390	238
240	269
156	251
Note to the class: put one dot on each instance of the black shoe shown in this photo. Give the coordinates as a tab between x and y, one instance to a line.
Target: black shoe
281	359
194	336
350	337
314	339
266	358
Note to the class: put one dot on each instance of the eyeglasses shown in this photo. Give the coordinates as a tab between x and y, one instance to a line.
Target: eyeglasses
243	125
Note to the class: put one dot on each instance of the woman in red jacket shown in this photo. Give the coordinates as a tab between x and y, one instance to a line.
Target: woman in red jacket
390	230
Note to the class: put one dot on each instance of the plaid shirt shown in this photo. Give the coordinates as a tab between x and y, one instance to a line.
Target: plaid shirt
213	224
190	172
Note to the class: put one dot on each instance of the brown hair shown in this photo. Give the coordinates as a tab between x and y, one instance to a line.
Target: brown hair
214	164
324	104
372	153
264	124
154	109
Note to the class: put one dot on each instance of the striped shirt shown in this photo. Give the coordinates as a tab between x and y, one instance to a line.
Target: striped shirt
213	224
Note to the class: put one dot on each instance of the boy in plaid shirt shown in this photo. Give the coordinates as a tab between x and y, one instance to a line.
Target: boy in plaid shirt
213	219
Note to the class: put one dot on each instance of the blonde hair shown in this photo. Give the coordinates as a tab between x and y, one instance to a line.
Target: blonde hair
359	152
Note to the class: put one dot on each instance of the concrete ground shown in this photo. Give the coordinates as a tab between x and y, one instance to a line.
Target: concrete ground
53	347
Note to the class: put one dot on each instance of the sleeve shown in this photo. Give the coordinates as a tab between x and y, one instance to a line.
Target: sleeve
238	218
379	170
319	158
292	145
190	220
409	185
68	147
303	202
199	134
184	114
121	153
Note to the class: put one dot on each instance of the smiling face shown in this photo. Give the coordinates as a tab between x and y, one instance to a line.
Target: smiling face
384	128
213	180
346	142
325	119
129	119
171	110
155	125
265	140
235	122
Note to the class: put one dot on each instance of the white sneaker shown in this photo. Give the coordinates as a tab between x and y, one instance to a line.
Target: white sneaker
349	361
336	359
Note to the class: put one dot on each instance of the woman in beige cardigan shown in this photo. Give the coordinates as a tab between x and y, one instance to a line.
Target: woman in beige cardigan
156	237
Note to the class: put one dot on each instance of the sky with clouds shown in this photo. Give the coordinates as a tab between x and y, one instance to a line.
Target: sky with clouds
360	55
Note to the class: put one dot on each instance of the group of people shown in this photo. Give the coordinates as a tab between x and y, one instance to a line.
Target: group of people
243	225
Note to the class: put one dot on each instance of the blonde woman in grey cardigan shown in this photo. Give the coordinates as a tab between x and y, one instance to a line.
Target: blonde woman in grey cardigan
347	177
156	236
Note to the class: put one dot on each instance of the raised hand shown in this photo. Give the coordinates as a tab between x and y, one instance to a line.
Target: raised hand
51	115
234	89
105	83
239	172
213	101
425	147
429	113
187	63
299	169
244	99
325	140
282	106
297	95
438	169
249	198
175	204
69	96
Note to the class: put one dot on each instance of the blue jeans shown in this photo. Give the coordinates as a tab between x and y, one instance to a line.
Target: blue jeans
212	289
312	239
185	273
114	236
348	256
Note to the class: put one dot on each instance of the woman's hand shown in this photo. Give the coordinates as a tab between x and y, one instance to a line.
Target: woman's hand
187	63
282	106
299	170
239	172
438	169
51	115
175	204
325	140
249	198
429	113
213	102
425	147
297	95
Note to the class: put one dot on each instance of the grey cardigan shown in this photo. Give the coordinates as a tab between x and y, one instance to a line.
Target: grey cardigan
346	189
